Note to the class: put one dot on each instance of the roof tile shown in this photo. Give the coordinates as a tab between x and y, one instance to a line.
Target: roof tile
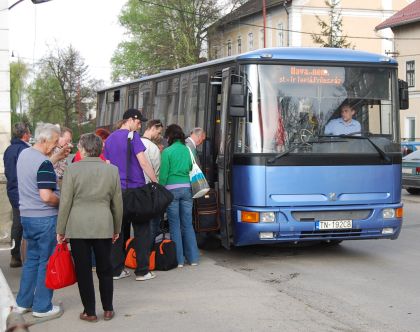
409	14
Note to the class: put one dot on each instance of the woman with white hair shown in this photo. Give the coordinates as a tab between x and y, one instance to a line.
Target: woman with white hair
38	205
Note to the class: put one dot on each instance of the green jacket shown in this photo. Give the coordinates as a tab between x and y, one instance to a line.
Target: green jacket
175	165
91	200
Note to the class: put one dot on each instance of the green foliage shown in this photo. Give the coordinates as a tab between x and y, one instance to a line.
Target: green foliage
16	117
167	35
46	101
61	92
18	74
331	30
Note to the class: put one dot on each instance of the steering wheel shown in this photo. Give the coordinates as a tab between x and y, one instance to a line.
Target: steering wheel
305	135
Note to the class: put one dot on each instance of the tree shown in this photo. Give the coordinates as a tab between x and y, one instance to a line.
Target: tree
61	88
332	30
167	34
18	74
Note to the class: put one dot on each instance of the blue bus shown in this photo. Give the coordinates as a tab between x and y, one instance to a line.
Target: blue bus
278	175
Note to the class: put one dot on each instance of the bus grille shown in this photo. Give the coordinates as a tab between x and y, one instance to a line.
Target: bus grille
332	215
331	233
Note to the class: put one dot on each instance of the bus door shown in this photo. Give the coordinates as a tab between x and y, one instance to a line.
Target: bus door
224	162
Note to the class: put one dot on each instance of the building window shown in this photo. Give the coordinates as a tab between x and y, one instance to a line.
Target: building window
229	48
250	41
410	129
215	53
239	44
410	71
280	35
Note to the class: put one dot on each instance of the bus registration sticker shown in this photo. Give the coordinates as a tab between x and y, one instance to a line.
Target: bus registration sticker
334	224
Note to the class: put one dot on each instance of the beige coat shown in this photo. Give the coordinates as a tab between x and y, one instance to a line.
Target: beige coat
91	201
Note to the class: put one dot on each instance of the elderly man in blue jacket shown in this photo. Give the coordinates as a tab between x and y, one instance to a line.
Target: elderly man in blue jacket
19	142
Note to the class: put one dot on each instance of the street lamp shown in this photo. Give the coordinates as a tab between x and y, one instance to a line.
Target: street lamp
33	1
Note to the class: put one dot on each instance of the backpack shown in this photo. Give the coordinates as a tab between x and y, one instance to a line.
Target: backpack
162	256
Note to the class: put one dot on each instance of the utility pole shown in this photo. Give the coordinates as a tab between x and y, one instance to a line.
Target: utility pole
78	108
264	21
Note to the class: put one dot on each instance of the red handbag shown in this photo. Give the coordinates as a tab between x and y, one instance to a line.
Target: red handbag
60	268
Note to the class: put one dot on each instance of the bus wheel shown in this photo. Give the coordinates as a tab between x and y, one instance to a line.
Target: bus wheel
413	191
208	240
332	243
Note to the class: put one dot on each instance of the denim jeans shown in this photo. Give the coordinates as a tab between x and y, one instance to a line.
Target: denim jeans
39	233
181	227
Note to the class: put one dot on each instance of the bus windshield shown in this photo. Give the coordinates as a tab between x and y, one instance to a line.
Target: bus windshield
299	109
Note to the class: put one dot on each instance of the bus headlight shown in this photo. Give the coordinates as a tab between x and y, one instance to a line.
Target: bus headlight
267	217
388	213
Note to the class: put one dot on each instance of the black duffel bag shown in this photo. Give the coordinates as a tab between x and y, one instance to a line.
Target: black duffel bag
146	202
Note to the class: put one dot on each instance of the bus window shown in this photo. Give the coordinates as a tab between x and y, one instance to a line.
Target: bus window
145	100
161	102
202	89
184	100
133	98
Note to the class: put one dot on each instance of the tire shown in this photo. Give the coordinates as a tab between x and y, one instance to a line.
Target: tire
332	243
413	191
207	241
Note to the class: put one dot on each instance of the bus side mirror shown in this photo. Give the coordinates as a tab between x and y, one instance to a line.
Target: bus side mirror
403	94
237	100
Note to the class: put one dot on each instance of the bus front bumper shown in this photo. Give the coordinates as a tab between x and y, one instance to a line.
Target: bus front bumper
285	229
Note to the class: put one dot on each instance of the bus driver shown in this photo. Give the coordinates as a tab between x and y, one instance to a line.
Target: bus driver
345	125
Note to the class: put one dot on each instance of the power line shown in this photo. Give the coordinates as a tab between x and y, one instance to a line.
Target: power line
273	28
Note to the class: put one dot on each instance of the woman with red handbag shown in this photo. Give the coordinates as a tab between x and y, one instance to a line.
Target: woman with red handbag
90	215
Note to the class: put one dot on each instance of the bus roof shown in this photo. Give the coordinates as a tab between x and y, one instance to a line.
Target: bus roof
322	54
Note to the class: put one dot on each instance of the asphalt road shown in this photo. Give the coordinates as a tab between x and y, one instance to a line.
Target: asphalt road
356	286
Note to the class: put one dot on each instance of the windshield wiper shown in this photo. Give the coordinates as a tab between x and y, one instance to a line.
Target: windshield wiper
286	152
351	136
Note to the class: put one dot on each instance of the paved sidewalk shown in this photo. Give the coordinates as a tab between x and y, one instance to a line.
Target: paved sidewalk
207	297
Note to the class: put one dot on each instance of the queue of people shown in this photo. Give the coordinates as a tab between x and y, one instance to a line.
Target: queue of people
82	203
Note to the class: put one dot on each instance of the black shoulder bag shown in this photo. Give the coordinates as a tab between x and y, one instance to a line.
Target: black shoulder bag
144	202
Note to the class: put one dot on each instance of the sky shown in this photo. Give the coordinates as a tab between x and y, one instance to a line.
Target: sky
91	26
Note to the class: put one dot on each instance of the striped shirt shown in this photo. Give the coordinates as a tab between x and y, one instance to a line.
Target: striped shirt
34	172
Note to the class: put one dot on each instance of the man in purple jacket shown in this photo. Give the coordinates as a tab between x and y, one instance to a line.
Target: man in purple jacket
19	142
116	152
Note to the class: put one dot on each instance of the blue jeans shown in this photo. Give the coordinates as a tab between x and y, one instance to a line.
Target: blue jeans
181	227
40	236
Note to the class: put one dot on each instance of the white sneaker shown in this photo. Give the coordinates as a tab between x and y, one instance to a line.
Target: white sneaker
123	274
54	311
180	265
147	276
194	264
21	310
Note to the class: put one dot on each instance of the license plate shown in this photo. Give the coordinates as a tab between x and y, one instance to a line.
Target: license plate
406	170
334	224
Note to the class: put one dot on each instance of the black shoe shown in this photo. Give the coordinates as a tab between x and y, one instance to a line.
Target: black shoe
15	262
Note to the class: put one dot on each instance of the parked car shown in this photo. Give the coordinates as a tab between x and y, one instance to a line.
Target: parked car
411	172
408	147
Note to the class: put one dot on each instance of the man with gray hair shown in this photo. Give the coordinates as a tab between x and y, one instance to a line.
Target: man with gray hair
19	142
196	138
38	204
59	155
